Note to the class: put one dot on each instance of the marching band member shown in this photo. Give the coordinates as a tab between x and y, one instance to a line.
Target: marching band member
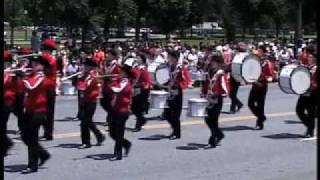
12	99
236	104
49	46
142	86
121	101
257	96
36	108
215	88
89	91
176	84
112	68
307	103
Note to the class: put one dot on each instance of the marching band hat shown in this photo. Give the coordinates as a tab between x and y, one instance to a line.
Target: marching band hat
45	59
90	62
49	44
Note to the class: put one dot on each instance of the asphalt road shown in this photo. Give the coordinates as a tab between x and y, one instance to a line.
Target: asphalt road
279	152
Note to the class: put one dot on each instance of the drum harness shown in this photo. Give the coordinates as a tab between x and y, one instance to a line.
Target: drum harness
173	77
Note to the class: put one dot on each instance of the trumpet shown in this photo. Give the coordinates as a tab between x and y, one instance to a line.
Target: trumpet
18	69
16	57
81	72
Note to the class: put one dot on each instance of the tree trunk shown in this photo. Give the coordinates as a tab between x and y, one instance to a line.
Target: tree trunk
138	25
12	35
298	23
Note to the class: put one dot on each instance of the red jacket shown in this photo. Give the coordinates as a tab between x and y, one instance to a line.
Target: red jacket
88	88
263	79
36	87
142	78
52	72
13	86
122	98
116	69
182	79
314	76
304	58
219	86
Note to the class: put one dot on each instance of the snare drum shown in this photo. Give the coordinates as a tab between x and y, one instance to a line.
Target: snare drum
197	107
68	88
294	79
158	99
246	67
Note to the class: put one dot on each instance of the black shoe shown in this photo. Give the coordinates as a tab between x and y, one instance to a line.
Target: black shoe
309	134
127	150
174	137
259	127
219	139
100	140
116	158
85	146
239	107
44	159
232	111
29	170
46	138
209	146
137	129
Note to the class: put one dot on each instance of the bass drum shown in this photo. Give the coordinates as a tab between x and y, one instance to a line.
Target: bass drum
294	79
246	67
162	74
197	107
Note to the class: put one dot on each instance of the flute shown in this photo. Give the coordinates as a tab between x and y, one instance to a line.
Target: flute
71	76
16	57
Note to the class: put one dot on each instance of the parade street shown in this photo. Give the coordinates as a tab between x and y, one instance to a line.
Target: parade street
279	152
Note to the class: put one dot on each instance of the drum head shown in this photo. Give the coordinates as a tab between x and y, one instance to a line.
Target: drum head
162	74
300	80
155	92
251	68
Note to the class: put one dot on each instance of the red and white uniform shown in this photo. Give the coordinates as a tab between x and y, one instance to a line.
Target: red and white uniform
115	69
218	85
314	76
88	88
36	87
265	76
304	58
122	98
52	71
181	79
13	86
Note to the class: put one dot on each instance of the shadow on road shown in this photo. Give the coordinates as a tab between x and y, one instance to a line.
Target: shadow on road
70	145
192	146
284	136
292	122
237	128
100	156
15	168
155	137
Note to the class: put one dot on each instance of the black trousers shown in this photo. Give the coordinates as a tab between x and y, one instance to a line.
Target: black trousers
30	136
173	112
4	121
233	94
105	103
117	129
212	119
256	102
86	117
306	110
140	105
48	124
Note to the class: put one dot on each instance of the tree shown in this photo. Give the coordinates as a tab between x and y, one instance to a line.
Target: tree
169	15
14	14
